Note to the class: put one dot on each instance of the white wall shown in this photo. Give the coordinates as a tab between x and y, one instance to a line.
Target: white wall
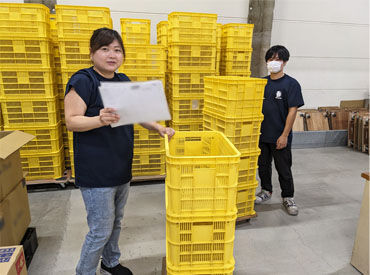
329	45
328	39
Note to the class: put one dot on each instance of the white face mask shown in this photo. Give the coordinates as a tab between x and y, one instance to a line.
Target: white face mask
274	66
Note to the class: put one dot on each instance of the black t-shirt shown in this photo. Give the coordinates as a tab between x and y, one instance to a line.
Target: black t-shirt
102	156
280	95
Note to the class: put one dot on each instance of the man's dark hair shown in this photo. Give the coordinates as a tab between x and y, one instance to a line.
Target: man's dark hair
103	37
279	51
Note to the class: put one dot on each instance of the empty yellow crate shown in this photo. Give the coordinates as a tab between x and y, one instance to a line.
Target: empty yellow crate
232	126
192	27
200	241
225	269
245	199
218	36
186	109
36	112
237	36
197	157
162	33
43	165
135	31
75	54
145	59
187	84
24	20
246	144
78	22
47	138
186	126
151	164
248	167
191	56
22	82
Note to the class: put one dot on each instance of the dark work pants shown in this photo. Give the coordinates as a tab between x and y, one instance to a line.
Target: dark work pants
283	164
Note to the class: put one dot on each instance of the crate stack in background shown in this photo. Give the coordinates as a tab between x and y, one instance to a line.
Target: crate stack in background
28	99
74	27
218	45
144	62
191	56
233	106
201	186
236	49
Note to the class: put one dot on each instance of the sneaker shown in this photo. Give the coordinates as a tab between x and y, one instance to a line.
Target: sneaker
263	196
117	270
290	206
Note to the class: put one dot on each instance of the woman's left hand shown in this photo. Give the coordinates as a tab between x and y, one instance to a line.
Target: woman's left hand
166	131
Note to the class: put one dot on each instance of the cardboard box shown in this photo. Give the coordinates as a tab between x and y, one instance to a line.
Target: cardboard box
14	215
10	162
12	261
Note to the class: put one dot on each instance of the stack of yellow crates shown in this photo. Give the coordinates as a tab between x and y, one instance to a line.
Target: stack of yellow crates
144	62
233	106
28	99
201	186
218	45
74	27
236	49
192	42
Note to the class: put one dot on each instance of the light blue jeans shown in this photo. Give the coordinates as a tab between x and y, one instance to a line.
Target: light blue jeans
104	207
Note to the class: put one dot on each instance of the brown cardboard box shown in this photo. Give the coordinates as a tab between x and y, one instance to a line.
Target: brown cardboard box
12	261
14	215
10	162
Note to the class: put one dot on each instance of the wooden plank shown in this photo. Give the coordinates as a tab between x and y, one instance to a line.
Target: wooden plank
360	252
164	266
298	125
328	108
365	134
366	175
352	103
317	121
359	133
148	178
240	220
351	129
339	119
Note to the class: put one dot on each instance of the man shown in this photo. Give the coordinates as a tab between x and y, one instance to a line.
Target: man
282	99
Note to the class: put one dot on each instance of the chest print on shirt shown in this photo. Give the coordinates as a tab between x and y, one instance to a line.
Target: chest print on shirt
278	95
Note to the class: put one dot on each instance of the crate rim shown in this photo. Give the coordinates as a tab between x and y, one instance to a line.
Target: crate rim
191	13
81	8
236	151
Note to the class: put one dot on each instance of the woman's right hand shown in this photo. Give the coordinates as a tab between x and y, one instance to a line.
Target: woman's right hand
108	116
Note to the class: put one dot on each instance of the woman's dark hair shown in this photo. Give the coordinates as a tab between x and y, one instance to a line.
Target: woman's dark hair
103	37
278	50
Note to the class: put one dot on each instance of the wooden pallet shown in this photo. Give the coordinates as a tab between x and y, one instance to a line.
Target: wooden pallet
244	219
62	182
317	121
299	122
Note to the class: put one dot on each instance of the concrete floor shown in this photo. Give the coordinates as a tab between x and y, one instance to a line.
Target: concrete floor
318	241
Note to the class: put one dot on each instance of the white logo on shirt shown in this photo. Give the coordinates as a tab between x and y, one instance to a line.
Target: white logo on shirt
278	95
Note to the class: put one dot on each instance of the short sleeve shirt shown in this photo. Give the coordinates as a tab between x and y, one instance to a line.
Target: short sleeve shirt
280	95
102	156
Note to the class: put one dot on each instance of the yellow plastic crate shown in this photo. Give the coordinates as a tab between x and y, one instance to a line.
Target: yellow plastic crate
135	31
200	241
47	138
24	20
43	165
53	27
235	61
66	75
27	112
186	126
237	36
67	158
79	22
75	54
187	84
187	27
197	157
185	109
145	59
191	56
162	33
248	167
246	144
151	164
146	141
65	136
70	141
22	82
232	126
218	36
245	199
225	269
235	73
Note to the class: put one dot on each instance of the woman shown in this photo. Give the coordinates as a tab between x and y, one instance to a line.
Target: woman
102	154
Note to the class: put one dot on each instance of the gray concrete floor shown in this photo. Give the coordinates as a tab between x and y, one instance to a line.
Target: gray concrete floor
318	241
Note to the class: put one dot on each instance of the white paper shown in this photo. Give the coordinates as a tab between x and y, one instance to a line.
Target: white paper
135	102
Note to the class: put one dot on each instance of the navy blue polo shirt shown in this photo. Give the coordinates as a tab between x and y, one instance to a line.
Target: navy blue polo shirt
102	156
280	95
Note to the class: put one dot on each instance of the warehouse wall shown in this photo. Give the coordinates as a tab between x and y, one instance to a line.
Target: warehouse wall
328	40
